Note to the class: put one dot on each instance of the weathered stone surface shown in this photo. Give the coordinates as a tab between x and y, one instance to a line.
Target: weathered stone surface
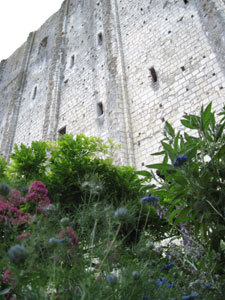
114	69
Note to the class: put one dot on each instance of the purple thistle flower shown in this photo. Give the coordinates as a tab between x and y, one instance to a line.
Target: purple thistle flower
171	284
17	254
135	275
208	286
168	266
192	296
149	200
161	281
179	160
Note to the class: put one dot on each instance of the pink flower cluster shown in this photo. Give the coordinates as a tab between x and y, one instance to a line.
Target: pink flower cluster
10	207
15	198
9	277
10	213
23	236
69	232
37	194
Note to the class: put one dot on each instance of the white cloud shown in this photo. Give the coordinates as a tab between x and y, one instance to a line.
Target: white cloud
18	18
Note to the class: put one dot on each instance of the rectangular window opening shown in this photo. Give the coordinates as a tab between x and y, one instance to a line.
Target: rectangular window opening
100	38
34	93
62	131
72	60
100	110
153	74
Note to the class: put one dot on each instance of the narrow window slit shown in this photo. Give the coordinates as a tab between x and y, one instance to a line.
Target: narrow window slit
153	74
100	38
72	60
100	110
34	93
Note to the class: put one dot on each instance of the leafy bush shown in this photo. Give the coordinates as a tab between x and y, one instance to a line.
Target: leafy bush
74	169
3	164
29	162
193	184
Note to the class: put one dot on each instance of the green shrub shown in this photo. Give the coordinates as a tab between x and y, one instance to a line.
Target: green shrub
78	172
29	162
193	184
74	170
3	165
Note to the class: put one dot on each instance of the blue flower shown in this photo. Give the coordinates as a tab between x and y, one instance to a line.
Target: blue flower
179	161
161	281
150	200
64	240
145	298
192	296
208	286
54	242
168	266
171	284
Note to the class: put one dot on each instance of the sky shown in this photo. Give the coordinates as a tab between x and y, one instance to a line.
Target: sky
18	18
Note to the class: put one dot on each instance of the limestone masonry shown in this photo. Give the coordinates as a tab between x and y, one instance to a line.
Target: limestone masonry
115	69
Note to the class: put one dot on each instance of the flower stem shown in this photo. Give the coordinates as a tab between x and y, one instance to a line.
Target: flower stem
112	244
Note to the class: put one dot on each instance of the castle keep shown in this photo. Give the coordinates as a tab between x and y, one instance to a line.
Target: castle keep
115	69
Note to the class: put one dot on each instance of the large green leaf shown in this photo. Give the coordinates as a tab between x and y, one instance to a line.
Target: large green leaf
205	117
175	143
160	167
144	173
182	216
221	152
219	131
165	159
173	214
191	121
212	121
169	129
179	178
147	187
169	151
158	153
191	152
187	124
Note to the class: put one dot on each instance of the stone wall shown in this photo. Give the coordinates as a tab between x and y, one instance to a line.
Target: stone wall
115	69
